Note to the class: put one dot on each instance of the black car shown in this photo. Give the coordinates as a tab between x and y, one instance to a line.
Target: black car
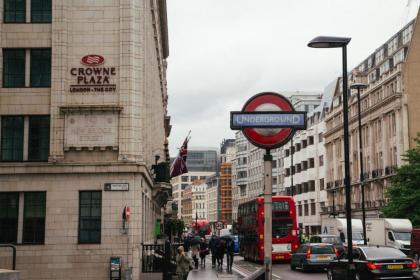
374	263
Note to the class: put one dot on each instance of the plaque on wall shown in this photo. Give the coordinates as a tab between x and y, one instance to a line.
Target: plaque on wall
116	187
91	129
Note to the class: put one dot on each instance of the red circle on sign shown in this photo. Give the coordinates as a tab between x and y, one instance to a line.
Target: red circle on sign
272	141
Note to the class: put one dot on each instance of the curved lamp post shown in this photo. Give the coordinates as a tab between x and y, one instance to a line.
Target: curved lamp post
341	42
360	86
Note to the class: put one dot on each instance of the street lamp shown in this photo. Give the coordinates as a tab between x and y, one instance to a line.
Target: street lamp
291	166
360	86
342	42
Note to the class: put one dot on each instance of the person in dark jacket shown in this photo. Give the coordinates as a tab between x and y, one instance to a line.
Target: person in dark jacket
230	248
220	249
212	246
204	250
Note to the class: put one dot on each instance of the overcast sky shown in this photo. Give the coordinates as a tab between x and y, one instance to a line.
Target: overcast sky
224	51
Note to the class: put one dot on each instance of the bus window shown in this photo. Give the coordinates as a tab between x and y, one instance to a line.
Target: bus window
281	228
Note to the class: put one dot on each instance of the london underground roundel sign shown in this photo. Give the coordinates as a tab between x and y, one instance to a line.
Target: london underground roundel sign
268	120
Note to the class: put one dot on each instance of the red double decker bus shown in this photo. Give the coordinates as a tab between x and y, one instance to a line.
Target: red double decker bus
251	228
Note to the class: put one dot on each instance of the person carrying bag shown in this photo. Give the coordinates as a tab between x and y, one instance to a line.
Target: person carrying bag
183	264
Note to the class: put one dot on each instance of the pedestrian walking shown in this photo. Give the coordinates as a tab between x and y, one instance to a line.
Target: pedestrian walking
213	250
195	249
221	249
183	264
230	248
204	251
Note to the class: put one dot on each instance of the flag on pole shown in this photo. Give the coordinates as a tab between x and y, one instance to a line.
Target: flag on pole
179	166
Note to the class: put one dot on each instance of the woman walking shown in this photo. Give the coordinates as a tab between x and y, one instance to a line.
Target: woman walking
183	264
204	251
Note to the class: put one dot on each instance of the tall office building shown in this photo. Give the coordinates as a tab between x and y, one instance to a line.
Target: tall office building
83	119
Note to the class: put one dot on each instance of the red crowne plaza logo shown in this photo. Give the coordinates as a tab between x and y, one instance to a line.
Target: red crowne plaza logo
93	60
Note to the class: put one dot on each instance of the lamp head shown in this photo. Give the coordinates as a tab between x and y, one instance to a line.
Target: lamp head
328	42
358	86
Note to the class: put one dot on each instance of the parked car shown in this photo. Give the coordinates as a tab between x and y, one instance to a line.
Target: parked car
313	256
374	263
415	245
330	239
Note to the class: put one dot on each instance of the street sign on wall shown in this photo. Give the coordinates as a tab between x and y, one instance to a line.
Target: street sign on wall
268	120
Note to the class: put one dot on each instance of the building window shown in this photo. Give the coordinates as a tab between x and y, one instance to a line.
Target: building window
406	36
184	179
9	213
40	11
311	163
311	140
14	11
13	68
320	137
306	210
34	218
12	138
300	210
398	57
40	68
384	68
321	184
194	178
39	138
313	208
321	160
379	56
90	208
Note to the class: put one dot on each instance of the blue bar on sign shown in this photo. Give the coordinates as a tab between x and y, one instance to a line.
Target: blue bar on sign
240	120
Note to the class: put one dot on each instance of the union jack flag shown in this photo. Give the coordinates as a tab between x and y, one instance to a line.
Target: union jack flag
179	166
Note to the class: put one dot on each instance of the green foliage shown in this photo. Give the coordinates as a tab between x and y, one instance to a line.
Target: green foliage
175	227
404	192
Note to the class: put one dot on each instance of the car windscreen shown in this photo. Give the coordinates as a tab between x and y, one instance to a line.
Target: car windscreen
281	228
383	252
405	236
326	249
357	236
332	240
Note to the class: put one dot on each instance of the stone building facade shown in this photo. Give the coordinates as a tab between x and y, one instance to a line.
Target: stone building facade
83	119
390	122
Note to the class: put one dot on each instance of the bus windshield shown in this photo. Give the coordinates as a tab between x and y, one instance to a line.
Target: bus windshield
281	228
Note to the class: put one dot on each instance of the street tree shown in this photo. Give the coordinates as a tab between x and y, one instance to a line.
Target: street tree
404	193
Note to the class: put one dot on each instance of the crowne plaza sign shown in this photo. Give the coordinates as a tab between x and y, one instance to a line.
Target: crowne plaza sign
92	76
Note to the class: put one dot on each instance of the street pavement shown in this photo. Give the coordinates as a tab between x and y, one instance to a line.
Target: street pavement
281	271
211	273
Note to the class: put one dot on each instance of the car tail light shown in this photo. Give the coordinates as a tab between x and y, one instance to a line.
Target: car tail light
412	265
308	253
373	266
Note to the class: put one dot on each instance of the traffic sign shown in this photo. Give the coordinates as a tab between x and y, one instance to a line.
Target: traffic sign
268	120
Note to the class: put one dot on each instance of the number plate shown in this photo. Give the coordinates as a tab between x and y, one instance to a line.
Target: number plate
322	258
279	257
395	266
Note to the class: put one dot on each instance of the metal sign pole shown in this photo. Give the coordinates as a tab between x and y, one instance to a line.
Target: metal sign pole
268	263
